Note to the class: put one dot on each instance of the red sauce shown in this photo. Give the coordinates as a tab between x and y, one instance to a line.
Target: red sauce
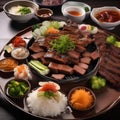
75	13
108	16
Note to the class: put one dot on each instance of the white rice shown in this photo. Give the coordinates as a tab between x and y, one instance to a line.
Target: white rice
43	106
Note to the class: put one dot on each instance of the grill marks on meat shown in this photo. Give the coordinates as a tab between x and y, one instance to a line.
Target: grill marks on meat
110	59
71	62
60	68
35	47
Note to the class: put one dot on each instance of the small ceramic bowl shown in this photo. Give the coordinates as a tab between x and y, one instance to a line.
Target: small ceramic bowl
75	13
8	64
44	13
20	53
17	88
81	98
104	16
85	6
11	9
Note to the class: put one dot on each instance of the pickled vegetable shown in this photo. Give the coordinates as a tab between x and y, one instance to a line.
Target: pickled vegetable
17	88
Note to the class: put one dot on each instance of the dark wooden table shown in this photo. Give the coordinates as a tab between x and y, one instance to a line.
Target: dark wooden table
9	29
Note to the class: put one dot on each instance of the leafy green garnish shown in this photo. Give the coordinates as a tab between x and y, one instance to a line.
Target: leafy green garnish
97	82
113	41
62	44
86	9
35	26
110	39
24	10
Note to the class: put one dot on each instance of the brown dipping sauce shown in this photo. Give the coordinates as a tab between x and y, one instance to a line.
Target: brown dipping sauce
75	13
44	13
108	16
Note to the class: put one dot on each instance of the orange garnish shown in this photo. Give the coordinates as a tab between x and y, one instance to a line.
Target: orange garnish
81	99
49	87
52	30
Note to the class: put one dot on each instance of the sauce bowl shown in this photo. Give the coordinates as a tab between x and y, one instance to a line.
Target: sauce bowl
75	13
103	16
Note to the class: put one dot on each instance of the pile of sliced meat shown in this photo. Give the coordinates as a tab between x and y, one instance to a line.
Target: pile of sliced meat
75	61
110	59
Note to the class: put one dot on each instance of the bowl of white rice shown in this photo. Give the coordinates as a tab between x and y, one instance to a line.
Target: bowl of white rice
20	10
46	100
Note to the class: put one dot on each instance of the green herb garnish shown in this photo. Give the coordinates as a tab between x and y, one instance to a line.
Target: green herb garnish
24	10
97	82
86	9
110	39
62	44
113	41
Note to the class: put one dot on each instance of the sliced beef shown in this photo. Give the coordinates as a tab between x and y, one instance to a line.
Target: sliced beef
79	70
86	54
80	48
95	55
56	57
38	55
35	47
58	76
83	65
85	60
74	54
61	68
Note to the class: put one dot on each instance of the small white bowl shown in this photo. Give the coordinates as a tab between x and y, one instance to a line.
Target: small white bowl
75	9
85	6
105	25
20	18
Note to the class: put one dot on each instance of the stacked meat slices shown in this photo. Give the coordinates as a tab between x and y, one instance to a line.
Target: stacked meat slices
75	61
110	59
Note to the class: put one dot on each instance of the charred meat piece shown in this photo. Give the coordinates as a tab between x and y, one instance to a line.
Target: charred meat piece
86	54
83	65
56	57
95	55
35	47
38	55
79	70
73	61
61	68
80	48
74	54
85	60
58	76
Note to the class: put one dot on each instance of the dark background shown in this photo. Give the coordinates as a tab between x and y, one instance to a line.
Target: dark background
8	112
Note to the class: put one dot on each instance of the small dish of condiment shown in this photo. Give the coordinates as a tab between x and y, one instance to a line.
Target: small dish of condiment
20	53
107	17
81	98
8	64
44	13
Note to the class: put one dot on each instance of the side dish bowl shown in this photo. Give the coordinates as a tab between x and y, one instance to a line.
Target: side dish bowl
44	13
81	98
107	17
85	6
20	53
20	10
17	88
75	13
49	3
